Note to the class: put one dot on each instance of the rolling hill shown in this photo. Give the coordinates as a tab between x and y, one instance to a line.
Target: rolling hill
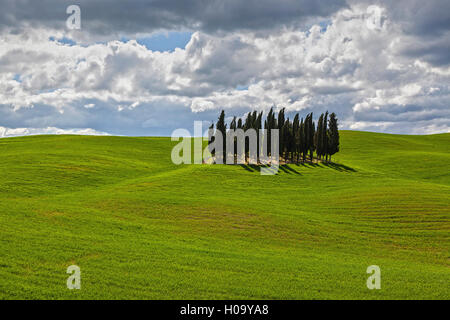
141	227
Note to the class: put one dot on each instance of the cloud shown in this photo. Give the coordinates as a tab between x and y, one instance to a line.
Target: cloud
8	132
116	17
392	78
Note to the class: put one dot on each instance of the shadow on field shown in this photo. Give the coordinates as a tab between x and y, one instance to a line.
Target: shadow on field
331	165
250	168
338	167
257	168
290	170
287	169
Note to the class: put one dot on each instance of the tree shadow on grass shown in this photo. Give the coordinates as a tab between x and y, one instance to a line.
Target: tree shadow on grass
290	170
308	165
338	167
331	165
251	167
257	168
247	167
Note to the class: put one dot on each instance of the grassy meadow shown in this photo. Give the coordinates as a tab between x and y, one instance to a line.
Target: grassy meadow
140	227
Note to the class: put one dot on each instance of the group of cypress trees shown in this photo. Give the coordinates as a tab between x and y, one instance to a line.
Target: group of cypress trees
298	139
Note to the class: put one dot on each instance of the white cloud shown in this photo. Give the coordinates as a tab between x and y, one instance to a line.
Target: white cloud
361	73
9	132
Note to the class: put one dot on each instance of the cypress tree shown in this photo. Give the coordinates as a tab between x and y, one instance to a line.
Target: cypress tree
239	126
266	138
254	120
211	139
281	119
248	121
233	126
258	129
247	125
302	140
333	134
313	132
290	140
272	124
310	131
296	136
319	135
308	137
268	127
286	144
325	137
239	123
222	127
281	123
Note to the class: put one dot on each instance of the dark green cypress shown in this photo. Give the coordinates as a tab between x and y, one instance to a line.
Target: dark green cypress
258	129
310	131
325	137
333	134
303	140
222	127
233	126
290	140
296	136
254	120
308	138
313	132
211	139
272	122
286	129
319	140
268	127
281	123
247	125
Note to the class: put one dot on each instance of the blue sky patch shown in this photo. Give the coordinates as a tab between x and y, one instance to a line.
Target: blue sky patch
241	88
64	40
17	77
167	41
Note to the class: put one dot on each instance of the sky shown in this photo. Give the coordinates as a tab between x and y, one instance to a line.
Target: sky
146	68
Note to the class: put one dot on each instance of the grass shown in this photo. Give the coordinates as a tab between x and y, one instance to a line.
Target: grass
140	227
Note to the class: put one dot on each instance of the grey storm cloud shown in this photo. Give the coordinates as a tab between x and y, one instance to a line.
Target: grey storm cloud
424	18
137	16
435	52
417	17
427	22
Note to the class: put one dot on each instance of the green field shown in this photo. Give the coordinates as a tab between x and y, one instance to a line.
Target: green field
140	227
